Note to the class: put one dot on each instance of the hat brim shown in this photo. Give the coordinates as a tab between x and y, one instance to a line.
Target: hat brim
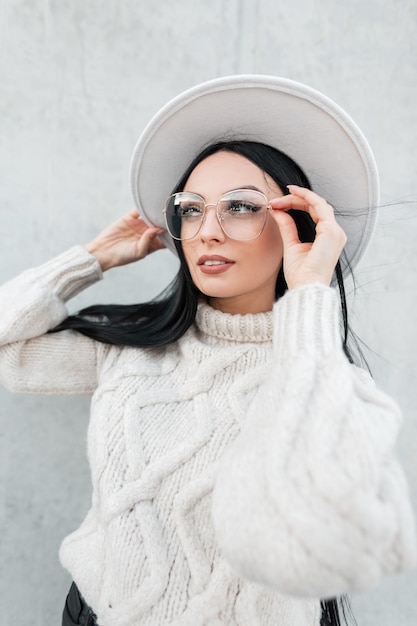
298	120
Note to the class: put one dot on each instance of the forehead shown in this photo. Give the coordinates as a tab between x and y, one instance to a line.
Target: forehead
230	163
225	171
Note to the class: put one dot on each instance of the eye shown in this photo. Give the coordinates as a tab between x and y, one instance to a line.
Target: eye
189	209
242	207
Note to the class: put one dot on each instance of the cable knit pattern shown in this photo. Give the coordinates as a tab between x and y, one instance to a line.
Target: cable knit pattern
238	475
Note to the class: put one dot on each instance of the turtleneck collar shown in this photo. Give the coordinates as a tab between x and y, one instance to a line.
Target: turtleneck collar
250	328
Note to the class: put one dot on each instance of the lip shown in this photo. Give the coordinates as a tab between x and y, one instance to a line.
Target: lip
220	264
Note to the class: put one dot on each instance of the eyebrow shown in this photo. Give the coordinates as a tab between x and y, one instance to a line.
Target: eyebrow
234	189
249	187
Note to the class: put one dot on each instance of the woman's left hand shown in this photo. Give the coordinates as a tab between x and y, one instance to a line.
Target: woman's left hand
308	262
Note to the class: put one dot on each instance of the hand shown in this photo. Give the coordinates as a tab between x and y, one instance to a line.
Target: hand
308	262
125	241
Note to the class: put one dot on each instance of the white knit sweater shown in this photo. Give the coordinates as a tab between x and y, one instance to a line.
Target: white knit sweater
238	475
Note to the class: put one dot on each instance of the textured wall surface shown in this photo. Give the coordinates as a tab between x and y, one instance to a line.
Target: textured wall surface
78	81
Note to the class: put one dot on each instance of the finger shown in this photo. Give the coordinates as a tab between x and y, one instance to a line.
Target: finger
291	201
322	214
157	244
150	241
287	229
318	207
299	197
319	210
152	232
139	224
308	195
313	204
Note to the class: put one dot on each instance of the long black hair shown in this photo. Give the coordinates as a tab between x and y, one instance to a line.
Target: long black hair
166	318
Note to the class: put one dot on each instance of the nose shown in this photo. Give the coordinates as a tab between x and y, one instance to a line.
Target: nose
211	229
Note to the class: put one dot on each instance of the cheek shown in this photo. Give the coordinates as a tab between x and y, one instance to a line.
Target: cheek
189	252
271	246
191	256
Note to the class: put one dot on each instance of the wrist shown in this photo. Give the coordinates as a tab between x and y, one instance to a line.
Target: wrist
309	281
307	321
93	249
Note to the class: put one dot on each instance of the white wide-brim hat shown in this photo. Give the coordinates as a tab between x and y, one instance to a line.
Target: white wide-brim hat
298	120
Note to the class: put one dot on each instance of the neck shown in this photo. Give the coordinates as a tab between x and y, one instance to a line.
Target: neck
241	306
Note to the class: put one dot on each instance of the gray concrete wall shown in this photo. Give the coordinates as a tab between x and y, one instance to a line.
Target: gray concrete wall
78	81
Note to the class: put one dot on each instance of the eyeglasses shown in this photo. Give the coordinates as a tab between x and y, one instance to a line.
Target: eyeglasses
241	213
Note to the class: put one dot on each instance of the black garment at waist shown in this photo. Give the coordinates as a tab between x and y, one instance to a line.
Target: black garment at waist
76	610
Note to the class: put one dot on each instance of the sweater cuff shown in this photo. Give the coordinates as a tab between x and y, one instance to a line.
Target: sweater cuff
70	272
307	319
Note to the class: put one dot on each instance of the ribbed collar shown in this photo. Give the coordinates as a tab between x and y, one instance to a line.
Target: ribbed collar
252	328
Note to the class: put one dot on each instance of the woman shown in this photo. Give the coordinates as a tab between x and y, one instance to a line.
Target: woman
242	466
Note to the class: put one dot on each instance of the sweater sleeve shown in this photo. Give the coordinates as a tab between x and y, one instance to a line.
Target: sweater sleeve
309	498
32	361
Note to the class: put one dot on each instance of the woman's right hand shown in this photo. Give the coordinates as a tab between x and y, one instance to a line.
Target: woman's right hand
125	241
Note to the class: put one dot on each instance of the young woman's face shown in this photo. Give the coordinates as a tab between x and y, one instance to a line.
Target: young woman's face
245	281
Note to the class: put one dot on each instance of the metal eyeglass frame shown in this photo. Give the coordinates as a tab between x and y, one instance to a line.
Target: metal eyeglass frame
220	217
